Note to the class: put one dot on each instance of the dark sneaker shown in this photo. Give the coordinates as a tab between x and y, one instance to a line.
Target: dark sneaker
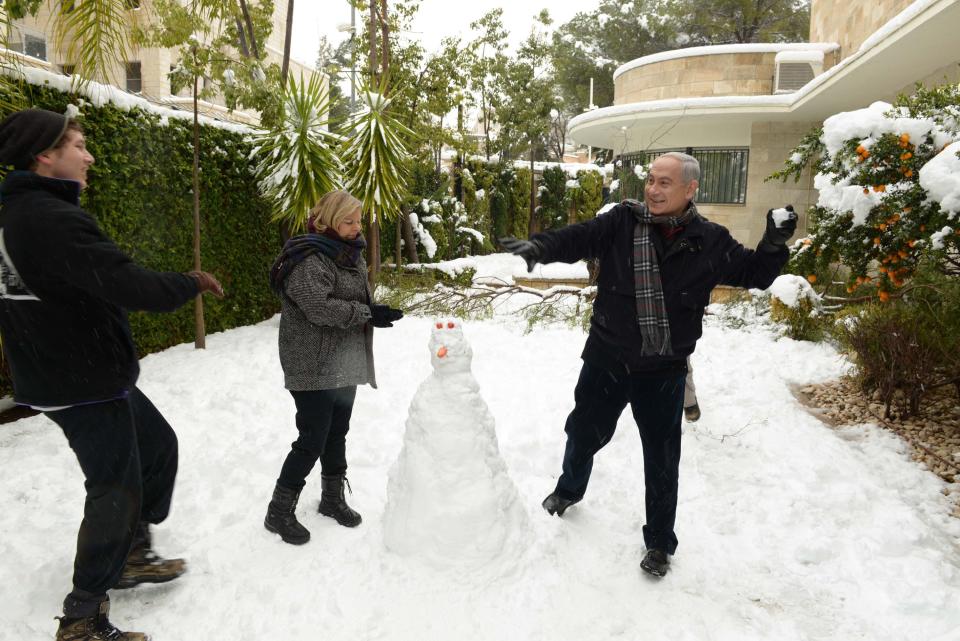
656	562
145	566
692	413
95	628
556	504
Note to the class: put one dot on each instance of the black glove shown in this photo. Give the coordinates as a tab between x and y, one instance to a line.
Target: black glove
529	250
384	315
776	237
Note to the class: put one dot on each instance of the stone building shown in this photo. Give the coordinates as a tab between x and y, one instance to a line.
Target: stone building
740	109
145	73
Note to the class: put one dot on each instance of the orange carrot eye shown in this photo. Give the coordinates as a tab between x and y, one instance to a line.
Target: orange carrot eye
450	325
439	325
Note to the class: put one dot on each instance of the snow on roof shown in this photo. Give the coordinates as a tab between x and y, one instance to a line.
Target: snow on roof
800	56
100	95
716	50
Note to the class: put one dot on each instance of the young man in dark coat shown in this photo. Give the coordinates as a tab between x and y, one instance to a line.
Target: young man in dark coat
658	262
64	291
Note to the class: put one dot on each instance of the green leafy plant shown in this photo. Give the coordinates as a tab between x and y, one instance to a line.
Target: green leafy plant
296	159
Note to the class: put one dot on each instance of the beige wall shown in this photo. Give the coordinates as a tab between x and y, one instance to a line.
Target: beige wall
771	144
728	74
942	76
850	22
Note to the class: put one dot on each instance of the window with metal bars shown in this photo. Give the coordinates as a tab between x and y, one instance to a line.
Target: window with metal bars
723	173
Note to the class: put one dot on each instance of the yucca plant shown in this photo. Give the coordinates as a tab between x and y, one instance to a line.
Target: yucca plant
377	163
296	159
12	96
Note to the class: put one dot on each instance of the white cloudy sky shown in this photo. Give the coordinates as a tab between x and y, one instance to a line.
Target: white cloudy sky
435	20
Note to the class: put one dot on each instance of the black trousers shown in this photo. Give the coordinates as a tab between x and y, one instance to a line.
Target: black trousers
657	403
323	420
128	454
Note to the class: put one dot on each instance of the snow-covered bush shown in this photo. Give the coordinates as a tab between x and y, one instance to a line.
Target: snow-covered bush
888	192
795	304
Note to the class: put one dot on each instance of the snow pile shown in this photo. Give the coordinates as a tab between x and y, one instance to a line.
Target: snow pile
450	499
941	178
791	289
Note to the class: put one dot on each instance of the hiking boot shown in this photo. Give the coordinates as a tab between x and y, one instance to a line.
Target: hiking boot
95	628
282	519
656	562
333	503
556	504
692	413
146	566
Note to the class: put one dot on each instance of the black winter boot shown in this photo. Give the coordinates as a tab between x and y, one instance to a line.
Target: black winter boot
281	518
95	628
333	503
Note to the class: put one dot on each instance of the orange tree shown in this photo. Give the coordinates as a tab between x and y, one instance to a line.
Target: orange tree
873	214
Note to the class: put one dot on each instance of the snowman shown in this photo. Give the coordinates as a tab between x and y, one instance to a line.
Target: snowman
450	499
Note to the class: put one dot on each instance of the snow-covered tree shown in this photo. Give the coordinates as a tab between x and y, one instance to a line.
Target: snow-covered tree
889	190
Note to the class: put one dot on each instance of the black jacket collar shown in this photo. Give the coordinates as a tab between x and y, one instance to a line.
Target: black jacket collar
18	182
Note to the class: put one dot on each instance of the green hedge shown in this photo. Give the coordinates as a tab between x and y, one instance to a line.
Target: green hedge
140	192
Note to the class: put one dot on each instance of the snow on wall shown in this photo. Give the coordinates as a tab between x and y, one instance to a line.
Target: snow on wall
100	94
716	50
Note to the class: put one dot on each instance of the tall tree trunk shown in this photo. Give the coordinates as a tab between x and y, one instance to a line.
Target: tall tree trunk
532	224
242	36
250	33
200	340
408	240
398	245
373	43
285	68
385	40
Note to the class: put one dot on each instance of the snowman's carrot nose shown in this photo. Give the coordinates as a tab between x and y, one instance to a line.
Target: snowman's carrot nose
442	351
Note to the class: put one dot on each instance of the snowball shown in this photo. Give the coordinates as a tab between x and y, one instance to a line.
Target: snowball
782	215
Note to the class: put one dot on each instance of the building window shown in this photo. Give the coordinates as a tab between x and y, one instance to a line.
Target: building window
134	78
29	44
723	173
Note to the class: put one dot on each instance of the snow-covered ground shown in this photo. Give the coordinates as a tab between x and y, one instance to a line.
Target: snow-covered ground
789	530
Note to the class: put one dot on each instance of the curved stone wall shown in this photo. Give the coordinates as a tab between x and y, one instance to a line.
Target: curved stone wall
718	74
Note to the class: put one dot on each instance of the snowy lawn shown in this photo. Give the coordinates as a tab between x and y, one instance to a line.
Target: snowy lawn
788	530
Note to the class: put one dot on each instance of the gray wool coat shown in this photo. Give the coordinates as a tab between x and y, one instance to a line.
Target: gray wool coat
326	340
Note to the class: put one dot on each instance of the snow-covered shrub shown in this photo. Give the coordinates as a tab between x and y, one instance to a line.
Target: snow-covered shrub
888	196
795	304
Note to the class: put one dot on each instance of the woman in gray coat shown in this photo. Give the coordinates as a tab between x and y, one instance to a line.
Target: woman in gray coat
326	349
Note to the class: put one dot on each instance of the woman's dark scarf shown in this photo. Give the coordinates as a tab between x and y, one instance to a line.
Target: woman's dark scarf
345	253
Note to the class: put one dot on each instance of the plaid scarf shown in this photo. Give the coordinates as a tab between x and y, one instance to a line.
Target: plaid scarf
651	309
345	253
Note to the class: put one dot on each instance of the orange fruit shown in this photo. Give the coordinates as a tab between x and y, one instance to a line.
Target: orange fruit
906	155
904	137
876	241
812	278
884	296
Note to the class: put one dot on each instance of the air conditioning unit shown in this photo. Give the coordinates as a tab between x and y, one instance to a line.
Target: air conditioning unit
794	69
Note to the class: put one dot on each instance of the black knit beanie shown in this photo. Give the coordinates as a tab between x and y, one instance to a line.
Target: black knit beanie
26	134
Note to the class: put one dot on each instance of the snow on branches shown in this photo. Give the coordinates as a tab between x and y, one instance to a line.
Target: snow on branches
888	190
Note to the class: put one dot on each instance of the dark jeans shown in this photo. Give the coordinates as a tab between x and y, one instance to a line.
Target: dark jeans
323	420
128	454
657	403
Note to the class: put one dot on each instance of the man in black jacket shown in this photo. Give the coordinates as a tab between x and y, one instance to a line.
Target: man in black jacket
64	291
658	262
